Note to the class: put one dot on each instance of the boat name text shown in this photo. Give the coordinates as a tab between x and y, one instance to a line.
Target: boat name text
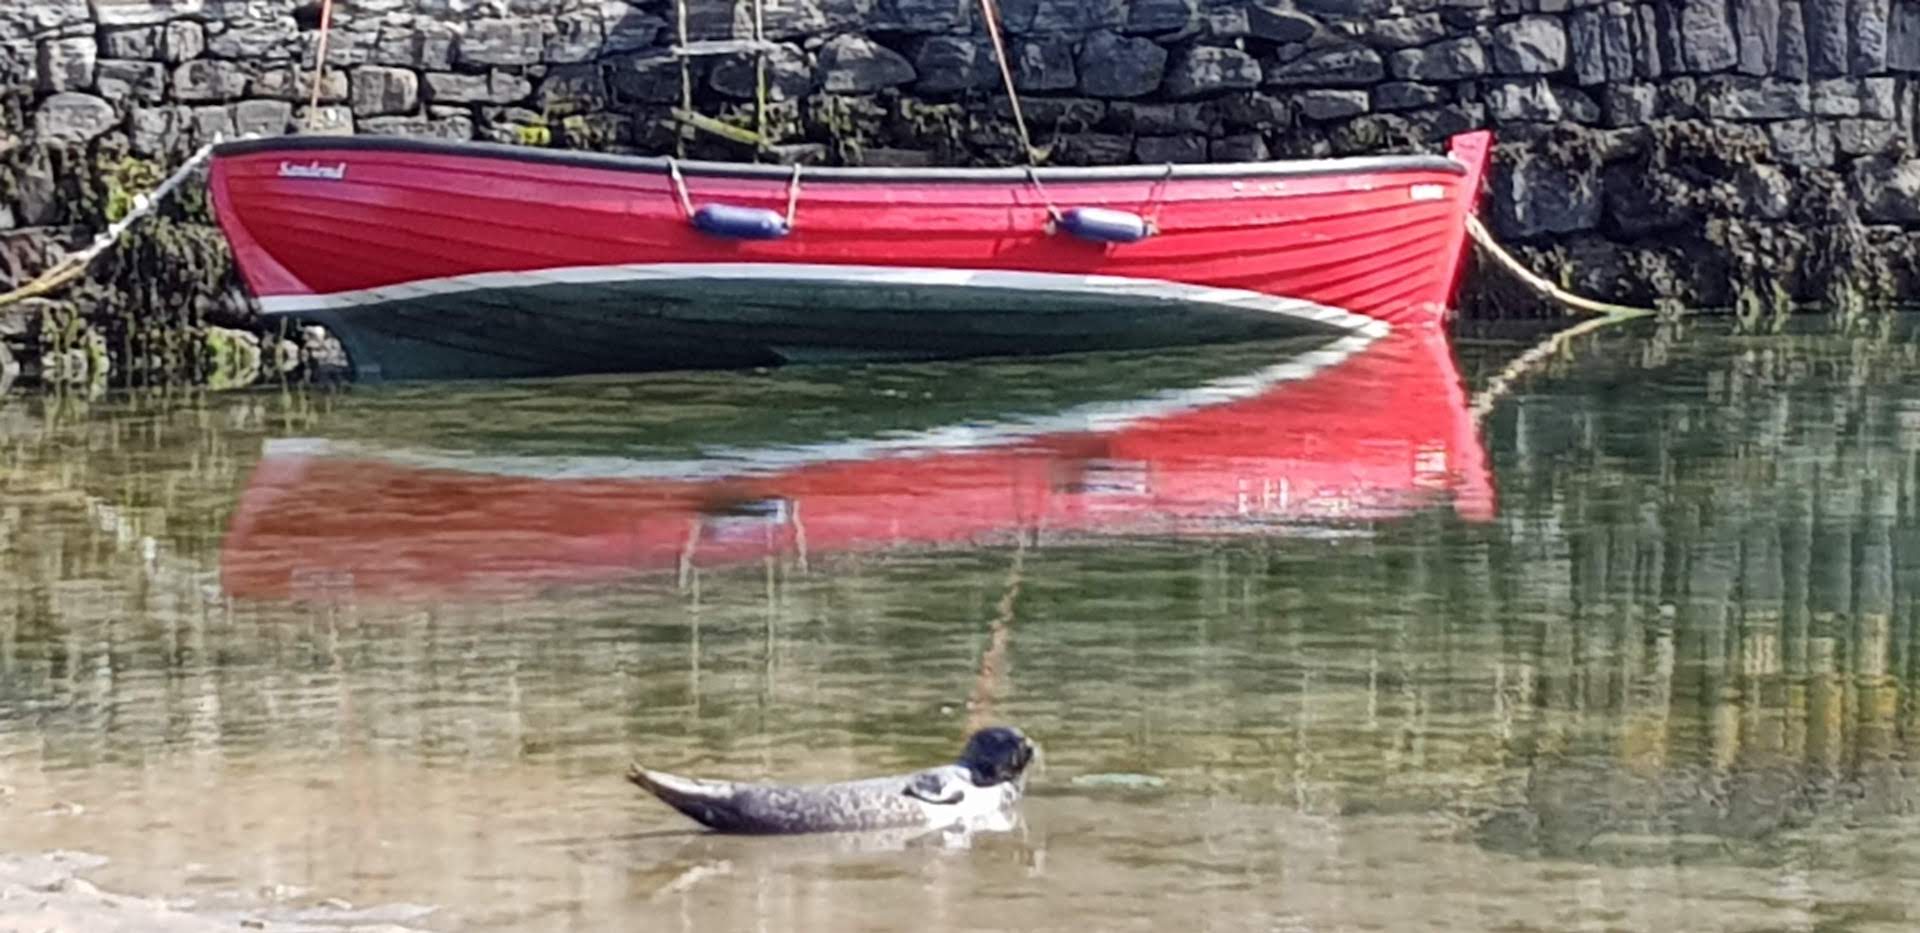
333	172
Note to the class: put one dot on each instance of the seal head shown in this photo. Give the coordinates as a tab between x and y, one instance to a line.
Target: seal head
997	755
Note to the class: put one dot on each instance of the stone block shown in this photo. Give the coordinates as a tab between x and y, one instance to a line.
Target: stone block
949	64
495	87
378	90
422	44
644	80
1449	60
850	64
74	117
1531	45
207	124
789	75
1808	143
1276	23
1156	17
572	89
1903	36
1756	26
42	19
928	16
1743	98
1861	137
262	117
1826	35
1252	109
142	12
66	64
205	80
1871	32
1062	17
1094	149
1707	44
1161	150
1791	62
1533	197
120	80
1629	104
1188	118
182	41
1405	95
156	131
1119	67
1246	147
138	42
454	127
1601	41
272	41
1203	71
294	83
1524	100
1041	65
1887	190
1338	65
1405	32
581	36
1325	104
509	42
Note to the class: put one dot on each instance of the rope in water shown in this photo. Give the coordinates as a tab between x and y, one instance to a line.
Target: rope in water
74	266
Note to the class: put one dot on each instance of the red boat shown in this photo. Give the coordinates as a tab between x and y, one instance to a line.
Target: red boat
434	259
1361	429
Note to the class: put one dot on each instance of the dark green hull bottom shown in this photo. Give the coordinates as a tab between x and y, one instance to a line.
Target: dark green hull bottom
572	329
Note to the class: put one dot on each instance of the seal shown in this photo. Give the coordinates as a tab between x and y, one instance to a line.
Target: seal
979	791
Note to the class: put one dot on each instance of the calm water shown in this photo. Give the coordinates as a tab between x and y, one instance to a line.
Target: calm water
1306	647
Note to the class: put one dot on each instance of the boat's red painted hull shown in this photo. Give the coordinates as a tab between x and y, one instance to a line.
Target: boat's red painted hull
1385	433
334	227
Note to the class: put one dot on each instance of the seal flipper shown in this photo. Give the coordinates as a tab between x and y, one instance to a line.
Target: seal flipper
934	787
710	803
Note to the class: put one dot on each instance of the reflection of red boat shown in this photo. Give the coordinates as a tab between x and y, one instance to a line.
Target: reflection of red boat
436	259
1363	429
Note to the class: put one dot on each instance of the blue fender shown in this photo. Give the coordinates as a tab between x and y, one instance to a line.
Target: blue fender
741	223
1105	225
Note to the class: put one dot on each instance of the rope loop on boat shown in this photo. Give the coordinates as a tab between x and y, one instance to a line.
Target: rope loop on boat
793	195
680	186
74	266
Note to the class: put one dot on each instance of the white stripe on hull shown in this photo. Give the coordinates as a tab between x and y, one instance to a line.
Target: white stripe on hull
723	462
1097	286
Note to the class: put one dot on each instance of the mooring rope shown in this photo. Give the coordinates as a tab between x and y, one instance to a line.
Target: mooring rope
320	63
1503	382
992	15
74	266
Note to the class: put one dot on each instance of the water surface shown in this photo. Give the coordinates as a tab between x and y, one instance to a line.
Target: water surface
1636	654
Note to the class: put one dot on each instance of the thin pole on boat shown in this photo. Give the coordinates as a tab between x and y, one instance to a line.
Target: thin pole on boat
320	63
686	80
759	77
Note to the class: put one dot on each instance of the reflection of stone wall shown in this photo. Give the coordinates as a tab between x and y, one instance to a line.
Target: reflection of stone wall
1630	127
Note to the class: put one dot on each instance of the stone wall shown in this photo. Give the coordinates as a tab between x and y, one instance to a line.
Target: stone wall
1711	151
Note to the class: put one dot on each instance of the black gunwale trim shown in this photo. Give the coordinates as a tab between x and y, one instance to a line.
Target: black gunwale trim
657	165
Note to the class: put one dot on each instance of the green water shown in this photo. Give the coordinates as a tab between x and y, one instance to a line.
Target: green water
1669	684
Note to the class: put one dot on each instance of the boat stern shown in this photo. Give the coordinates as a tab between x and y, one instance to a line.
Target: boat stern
1472	151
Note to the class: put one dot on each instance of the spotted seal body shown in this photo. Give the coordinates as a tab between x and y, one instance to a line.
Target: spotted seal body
980	791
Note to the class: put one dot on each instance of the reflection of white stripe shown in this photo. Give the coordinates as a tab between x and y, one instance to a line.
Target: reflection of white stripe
721	462
1097	286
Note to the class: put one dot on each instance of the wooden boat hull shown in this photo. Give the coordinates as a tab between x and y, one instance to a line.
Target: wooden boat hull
436	260
1363	430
